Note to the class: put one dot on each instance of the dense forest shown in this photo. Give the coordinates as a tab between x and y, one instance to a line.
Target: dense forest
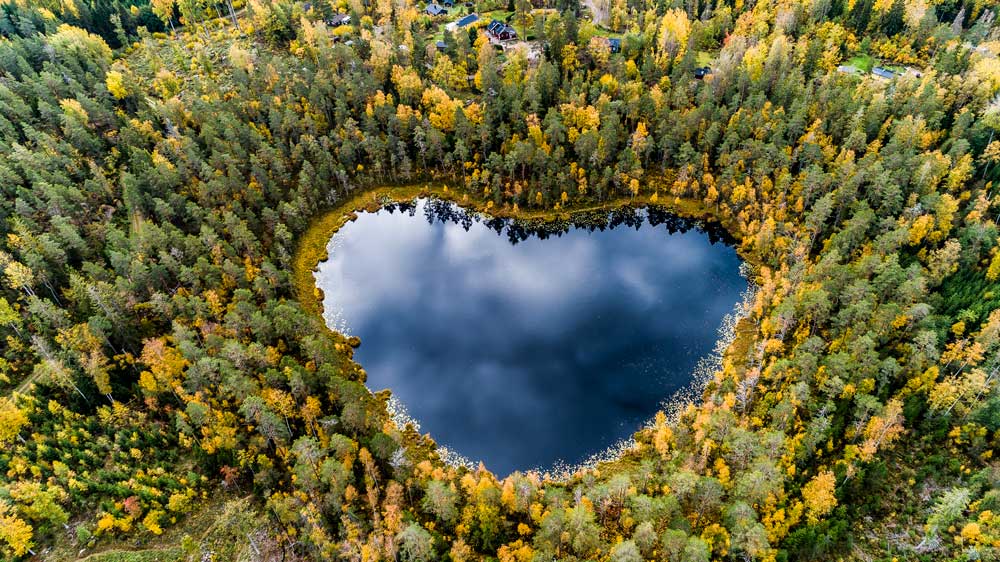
159	162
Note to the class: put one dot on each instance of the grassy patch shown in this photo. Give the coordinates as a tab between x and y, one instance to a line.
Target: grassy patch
166	555
501	15
606	32
864	63
704	58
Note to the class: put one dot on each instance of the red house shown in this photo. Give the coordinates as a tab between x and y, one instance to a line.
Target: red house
501	31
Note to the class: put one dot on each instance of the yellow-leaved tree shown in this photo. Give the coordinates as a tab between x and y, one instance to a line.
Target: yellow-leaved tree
116	84
14	532
882	430
818	495
165	364
12	419
674	31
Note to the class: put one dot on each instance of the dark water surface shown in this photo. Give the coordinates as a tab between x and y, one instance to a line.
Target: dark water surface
522	351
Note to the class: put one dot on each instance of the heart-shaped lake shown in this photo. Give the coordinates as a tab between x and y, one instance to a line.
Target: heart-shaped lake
523	348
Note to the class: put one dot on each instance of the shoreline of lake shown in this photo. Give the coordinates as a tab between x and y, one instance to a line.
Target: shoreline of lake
311	247
312	250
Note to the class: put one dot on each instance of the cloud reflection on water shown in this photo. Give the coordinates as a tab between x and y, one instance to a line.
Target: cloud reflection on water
522	355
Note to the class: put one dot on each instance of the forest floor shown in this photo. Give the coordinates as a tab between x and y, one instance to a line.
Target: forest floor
227	527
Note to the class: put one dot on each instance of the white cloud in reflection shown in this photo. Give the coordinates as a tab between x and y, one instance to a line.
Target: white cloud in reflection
523	354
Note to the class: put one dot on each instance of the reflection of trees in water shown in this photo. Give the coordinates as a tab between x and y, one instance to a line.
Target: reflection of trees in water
518	230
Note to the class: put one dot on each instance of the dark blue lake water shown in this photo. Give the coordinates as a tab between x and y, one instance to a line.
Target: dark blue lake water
523	347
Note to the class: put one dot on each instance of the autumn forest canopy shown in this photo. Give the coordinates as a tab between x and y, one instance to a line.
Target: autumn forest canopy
168	387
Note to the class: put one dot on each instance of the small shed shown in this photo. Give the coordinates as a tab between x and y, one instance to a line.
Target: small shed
702	72
615	44
441	45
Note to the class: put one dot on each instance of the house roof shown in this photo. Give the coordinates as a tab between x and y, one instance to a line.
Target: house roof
435	9
615	43
497	27
883	72
441	45
471	18
339	19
